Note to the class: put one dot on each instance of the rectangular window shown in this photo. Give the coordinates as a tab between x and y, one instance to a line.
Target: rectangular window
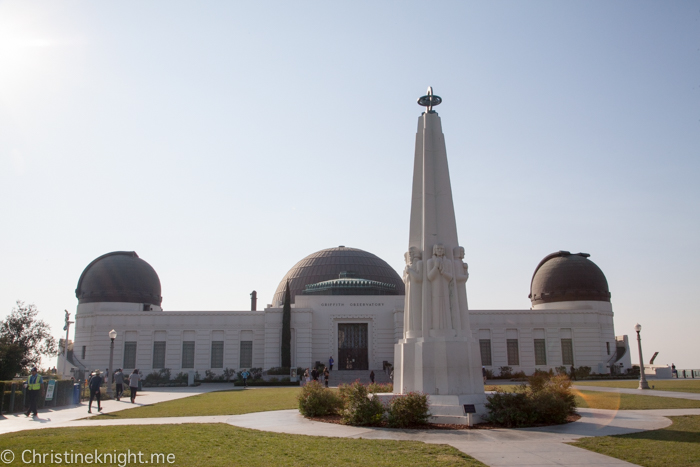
130	354
540	352
513	354
607	346
567	351
217	354
84	350
188	354
246	354
159	354
485	347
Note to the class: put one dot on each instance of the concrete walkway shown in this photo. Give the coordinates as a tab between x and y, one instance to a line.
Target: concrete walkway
642	392
67	416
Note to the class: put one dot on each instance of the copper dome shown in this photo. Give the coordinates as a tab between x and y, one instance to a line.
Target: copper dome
565	277
327	264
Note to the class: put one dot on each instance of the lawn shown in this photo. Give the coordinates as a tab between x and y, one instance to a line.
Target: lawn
617	401
677	445
678	385
232	402
226	445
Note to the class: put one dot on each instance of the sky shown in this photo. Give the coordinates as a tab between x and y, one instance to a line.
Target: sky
225	141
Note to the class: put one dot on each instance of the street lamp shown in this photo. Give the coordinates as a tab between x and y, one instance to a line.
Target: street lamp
112	336
642	380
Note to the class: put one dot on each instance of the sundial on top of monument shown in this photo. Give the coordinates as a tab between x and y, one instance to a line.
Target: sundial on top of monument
430	100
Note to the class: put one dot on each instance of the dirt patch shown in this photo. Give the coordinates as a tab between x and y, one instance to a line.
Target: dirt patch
336	419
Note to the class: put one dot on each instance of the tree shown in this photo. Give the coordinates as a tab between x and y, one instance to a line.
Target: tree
287	329
23	340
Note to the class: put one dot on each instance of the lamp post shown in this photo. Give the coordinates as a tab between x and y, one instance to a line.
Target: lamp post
642	380
110	380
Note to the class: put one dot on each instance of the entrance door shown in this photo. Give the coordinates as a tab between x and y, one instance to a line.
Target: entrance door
352	346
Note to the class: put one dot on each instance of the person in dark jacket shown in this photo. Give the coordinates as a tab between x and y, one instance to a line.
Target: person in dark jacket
94	385
119	380
371	376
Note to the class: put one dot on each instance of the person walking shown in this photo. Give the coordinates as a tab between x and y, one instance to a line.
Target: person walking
119	383
94	385
245	375
330	363
307	376
34	382
134	379
371	376
573	373
326	375
314	374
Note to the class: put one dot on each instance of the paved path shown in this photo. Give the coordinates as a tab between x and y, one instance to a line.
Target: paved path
68	416
642	392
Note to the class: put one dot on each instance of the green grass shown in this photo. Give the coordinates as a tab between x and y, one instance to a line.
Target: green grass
617	401
225	445
677	445
232	402
678	385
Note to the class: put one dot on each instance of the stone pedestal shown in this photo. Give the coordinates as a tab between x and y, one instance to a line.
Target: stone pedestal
448	369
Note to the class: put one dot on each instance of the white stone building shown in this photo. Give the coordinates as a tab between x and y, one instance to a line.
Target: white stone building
356	318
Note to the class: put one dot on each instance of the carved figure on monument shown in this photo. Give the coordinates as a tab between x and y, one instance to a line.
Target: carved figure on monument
461	273
413	278
440	275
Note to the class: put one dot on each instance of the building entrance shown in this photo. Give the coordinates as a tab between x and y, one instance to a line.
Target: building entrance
352	346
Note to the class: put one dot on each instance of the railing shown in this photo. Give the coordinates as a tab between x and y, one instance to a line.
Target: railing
687	374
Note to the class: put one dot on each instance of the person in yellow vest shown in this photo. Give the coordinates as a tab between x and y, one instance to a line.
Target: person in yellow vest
34	383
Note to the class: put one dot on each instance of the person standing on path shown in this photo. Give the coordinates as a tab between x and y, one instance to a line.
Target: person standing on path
330	363
314	374
119	382
307	376
134	379
245	375
326	375
34	382
95	384
371	376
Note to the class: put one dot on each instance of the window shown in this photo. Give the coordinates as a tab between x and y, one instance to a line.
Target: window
217	354
607	346
246	354
567	352
540	352
130	354
188	354
485	347
84	350
513	354
159	354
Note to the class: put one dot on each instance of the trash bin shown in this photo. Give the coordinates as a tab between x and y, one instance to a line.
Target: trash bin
76	393
140	385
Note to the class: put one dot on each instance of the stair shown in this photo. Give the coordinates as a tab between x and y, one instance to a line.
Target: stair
350	376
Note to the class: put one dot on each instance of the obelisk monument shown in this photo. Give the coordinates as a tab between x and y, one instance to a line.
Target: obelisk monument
438	354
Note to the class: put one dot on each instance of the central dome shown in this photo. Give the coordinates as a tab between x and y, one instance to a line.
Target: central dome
326	265
566	277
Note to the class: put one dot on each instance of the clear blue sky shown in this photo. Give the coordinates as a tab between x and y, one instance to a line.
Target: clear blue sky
225	141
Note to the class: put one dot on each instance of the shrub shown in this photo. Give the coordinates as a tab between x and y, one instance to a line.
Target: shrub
359	409
562	370
315	400
228	374
583	372
505	372
408	409
547	400
156	377
375	388
489	373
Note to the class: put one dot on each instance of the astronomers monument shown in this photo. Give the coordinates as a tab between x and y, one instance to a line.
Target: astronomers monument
438	353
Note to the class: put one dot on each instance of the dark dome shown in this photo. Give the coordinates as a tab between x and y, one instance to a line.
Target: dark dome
327	265
120	276
566	277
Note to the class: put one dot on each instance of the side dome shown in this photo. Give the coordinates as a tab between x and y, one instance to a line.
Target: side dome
326	265
120	276
567	277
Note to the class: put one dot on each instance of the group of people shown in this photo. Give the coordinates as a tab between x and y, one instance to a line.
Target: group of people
95	383
314	375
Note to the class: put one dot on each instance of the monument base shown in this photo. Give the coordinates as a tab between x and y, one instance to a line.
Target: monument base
448	369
